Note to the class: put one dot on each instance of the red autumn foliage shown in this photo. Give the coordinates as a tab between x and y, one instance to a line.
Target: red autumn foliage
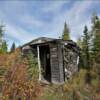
16	85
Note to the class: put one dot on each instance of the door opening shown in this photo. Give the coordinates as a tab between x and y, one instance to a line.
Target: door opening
45	62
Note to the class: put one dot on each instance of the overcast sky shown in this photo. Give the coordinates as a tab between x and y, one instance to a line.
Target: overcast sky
25	20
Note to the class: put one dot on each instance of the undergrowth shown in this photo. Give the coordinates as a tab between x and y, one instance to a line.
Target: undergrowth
16	82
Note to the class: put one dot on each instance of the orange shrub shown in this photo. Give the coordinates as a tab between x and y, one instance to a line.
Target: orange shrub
16	84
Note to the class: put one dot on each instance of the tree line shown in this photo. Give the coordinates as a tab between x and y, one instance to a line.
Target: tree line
89	43
3	43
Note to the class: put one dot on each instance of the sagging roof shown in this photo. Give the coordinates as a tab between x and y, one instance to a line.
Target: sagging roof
46	39
42	40
39	40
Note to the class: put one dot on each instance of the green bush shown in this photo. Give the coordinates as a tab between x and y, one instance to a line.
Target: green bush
33	66
2	71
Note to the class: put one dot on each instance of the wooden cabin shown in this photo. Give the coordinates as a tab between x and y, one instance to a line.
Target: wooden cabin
57	59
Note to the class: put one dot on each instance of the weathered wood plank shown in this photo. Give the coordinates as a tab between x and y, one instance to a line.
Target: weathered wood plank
54	63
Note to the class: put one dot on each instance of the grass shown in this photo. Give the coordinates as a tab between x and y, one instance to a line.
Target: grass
74	89
15	72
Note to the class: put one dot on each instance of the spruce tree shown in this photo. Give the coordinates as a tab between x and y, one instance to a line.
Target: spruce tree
12	47
96	43
1	31
65	35
1	35
86	47
79	42
3	44
96	35
86	53
4	47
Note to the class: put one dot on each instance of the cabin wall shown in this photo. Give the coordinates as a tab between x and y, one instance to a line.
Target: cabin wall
57	72
70	61
60	59
54	63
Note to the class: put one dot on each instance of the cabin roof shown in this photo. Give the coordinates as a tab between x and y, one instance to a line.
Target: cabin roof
45	40
42	40
39	40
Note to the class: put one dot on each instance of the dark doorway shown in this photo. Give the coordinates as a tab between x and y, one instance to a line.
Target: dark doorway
45	62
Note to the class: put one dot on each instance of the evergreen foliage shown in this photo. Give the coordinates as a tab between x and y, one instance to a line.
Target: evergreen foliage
33	67
86	47
13	47
65	35
1	35
96	35
3	44
79	42
4	47
1	31
96	43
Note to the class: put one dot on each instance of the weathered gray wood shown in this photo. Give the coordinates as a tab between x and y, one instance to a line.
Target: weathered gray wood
54	63
61	68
